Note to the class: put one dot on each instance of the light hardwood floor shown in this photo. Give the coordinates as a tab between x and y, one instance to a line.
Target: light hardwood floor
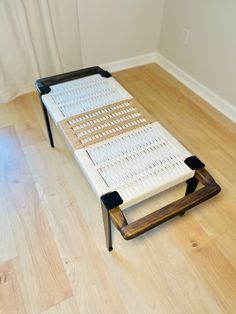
52	249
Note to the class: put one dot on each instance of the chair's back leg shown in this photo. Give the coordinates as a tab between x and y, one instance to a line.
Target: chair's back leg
46	118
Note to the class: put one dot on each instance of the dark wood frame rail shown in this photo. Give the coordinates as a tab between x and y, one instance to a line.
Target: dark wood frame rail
112	212
43	87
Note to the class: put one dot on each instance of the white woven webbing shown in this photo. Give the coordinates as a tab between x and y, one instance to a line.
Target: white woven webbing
137	164
82	95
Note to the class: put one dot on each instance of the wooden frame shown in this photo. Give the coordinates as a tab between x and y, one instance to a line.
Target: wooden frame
148	222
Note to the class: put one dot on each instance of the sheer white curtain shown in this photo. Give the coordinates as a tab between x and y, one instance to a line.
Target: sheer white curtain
37	38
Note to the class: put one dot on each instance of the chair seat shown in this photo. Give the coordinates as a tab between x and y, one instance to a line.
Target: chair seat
114	139
83	95
137	164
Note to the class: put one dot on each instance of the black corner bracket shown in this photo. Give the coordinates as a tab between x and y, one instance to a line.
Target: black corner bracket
111	200
44	90
194	163
103	73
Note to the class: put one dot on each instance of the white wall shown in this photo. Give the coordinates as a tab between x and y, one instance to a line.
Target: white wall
115	30
85	32
210	54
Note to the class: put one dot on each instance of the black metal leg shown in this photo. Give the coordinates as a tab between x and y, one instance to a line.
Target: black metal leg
46	118
191	187
107	227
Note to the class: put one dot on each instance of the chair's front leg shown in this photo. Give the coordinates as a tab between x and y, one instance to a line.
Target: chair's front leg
107	227
111	201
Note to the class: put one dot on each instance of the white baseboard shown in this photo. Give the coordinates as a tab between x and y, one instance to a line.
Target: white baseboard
130	62
208	95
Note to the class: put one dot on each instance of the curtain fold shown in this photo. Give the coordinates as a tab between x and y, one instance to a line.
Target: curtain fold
37	38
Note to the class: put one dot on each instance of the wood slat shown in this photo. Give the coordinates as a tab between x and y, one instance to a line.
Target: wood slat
7	242
92	286
42	267
11	299
209	262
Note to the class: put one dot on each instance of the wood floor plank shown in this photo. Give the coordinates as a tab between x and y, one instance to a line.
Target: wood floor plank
208	261
26	122
11	300
226	242
7	114
7	242
82	259
212	219
42	268
68	306
126	265
168	278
